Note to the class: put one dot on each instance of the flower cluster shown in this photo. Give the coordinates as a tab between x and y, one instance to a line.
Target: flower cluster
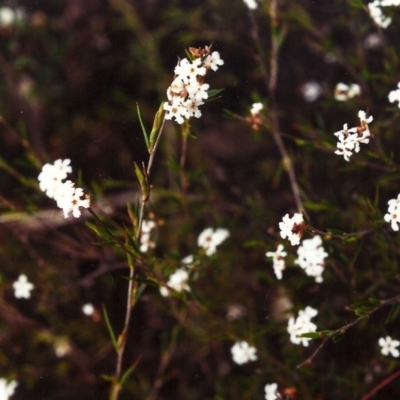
67	196
271	391
292	228
302	324
345	92
188	90
7	389
242	353
389	346
311	256
209	239
22	287
350	139
393	214
178	281
394	95
278	260
375	10
146	241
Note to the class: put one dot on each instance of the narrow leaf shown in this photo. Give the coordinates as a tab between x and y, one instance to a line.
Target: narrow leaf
145	134
110	328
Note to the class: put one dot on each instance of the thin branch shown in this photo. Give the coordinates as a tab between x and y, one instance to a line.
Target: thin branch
344	328
381	385
132	285
271	84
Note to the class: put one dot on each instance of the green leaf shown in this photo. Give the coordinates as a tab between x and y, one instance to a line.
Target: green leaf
157	124
110	328
128	372
145	134
140	174
101	232
311	335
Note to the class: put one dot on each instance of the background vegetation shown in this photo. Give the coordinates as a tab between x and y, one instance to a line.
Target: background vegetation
72	73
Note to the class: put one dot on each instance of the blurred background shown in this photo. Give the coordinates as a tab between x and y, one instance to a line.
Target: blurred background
71	75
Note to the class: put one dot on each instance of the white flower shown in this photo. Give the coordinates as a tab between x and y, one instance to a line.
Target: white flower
350	139
68	198
311	91
389	346
52	176
70	201
377	15
311	256
188	261
178	281
9	16
188	91
292	228
22	287
210	239
242	353
302	324
213	60
271	391
278	260
393	214
7	389
251	4
394	95
88	309
345	92
146	241
256	108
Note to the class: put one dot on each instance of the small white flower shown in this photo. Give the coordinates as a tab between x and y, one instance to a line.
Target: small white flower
213	60
9	16
278	260
52	176
394	95
292	228
311	91
22	287
393	214
178	281
345	92
88	309
7	388
242	353
350	139
271	391
251	4
377	14
389	346
210	239
311	256
302	324
146	241
256	108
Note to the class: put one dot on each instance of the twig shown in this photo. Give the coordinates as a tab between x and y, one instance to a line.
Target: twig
132	285
271	83
384	383
343	329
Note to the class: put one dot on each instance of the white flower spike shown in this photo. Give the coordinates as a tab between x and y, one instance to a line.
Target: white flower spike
69	198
